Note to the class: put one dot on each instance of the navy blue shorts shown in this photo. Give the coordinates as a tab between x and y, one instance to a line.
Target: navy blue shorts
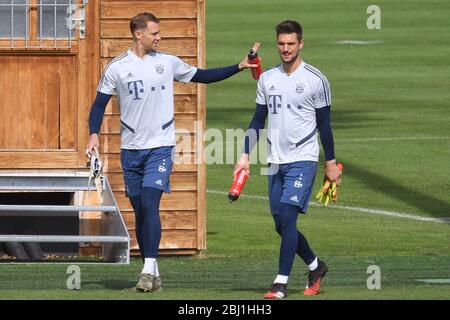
292	183
146	168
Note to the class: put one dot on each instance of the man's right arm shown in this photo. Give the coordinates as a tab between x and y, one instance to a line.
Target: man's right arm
252	136
256	124
96	118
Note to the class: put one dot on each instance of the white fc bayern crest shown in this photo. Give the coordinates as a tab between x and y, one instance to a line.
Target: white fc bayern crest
299	88
159	68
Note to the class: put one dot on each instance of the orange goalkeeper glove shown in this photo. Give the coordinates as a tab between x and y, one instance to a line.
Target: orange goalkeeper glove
329	191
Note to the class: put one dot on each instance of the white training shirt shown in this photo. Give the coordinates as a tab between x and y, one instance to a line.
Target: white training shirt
144	89
291	101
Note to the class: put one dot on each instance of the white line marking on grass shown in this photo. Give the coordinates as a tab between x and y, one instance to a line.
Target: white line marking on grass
381	212
358	42
435	281
390	139
396	214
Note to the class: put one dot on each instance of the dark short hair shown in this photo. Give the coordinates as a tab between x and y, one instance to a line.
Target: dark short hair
140	21
290	26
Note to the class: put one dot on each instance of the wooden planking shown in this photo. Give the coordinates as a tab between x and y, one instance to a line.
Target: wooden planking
182	181
89	58
176	220
183	103
88	75
24	107
89	222
33	109
201	117
110	143
176	200
173	28
38	159
68	104
169	252
172	239
51	106
116	181
179	211
177	239
173	252
44	104
162	9
186	143
8	104
186	47
179	181
147	1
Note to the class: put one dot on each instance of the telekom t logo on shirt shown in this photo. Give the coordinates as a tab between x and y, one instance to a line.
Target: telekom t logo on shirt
273	103
135	87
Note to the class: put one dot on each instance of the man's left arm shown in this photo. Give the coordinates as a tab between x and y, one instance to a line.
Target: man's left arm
323	119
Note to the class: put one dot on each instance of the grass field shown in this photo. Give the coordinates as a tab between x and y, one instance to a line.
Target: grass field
391	126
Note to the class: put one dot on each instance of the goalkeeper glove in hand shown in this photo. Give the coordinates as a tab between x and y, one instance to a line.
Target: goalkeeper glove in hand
329	191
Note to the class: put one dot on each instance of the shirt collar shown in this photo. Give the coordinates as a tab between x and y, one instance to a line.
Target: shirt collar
146	56
300	67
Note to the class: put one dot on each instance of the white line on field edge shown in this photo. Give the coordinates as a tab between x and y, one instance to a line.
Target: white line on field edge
390	139
435	281
360	42
381	212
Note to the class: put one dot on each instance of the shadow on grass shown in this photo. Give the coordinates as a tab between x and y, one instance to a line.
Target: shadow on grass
419	200
110	284
293	292
351	119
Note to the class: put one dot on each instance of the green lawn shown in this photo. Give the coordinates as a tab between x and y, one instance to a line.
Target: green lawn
391	122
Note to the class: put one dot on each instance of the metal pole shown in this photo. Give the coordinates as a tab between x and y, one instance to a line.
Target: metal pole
70	30
26	24
40	23
54	39
12	23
